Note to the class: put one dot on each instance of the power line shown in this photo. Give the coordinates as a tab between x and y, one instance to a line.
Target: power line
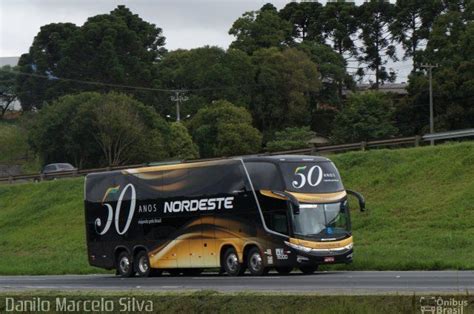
55	78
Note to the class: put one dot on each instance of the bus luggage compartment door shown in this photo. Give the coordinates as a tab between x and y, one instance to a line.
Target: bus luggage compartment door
209	250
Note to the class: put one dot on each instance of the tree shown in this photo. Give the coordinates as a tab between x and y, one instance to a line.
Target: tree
305	17
290	138
413	22
340	26
181	145
367	116
412	25
8	93
90	129
116	48
285	80
119	129
42	60
52	135
224	129
260	29
450	46
375	18
332	68
211	73
237	139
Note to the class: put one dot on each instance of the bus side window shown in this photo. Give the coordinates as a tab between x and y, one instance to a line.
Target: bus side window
279	222
275	214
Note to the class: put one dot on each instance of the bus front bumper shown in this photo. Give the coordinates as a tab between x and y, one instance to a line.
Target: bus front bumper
311	256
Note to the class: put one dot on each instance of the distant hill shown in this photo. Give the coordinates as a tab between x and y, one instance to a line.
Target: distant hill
9	61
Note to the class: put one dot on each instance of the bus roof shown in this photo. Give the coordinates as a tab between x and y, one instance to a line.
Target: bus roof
199	163
291	158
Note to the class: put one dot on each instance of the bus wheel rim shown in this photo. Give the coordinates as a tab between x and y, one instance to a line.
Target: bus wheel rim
256	261
232	262
143	264
124	264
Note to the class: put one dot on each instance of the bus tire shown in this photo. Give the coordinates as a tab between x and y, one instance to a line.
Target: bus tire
255	262
142	264
284	270
308	270
230	263
124	265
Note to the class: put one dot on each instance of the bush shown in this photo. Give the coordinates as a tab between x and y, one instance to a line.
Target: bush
366	116
290	138
224	129
13	143
91	129
181	145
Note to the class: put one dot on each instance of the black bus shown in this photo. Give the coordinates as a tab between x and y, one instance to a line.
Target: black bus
256	213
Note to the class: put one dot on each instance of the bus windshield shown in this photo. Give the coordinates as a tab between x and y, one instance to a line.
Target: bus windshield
311	177
322	220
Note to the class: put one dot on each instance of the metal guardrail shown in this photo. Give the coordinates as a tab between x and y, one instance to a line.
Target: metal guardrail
412	140
449	135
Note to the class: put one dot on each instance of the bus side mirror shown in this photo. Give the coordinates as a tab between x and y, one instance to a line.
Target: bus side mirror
360	198
293	200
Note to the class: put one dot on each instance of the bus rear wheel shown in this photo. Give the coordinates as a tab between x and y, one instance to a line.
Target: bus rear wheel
124	265
284	270
142	264
255	262
230	263
308	270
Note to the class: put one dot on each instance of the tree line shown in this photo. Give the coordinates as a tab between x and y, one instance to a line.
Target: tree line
100	93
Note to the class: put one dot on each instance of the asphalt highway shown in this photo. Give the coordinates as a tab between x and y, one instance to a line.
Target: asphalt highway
337	282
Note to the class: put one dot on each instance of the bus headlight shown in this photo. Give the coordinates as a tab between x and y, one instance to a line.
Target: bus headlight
298	247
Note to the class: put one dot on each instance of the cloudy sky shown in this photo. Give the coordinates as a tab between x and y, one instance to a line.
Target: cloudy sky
185	23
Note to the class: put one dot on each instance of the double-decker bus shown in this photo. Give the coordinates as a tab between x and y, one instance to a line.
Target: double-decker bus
251	213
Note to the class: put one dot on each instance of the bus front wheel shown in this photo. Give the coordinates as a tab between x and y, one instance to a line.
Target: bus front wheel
142	264
230	263
124	265
255	262
308	270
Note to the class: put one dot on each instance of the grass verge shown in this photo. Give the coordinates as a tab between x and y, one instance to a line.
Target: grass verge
213	302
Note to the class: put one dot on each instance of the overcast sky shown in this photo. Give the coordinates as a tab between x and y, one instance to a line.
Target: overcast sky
185	23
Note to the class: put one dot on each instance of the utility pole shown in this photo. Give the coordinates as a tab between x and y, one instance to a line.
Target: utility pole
430	75
178	98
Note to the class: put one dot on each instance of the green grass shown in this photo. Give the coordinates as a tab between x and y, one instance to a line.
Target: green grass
421	207
213	302
14	149
420	200
42	228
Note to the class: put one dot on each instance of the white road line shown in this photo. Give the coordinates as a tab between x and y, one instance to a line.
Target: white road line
233	278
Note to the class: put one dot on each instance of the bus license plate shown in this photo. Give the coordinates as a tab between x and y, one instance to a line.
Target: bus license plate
329	259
